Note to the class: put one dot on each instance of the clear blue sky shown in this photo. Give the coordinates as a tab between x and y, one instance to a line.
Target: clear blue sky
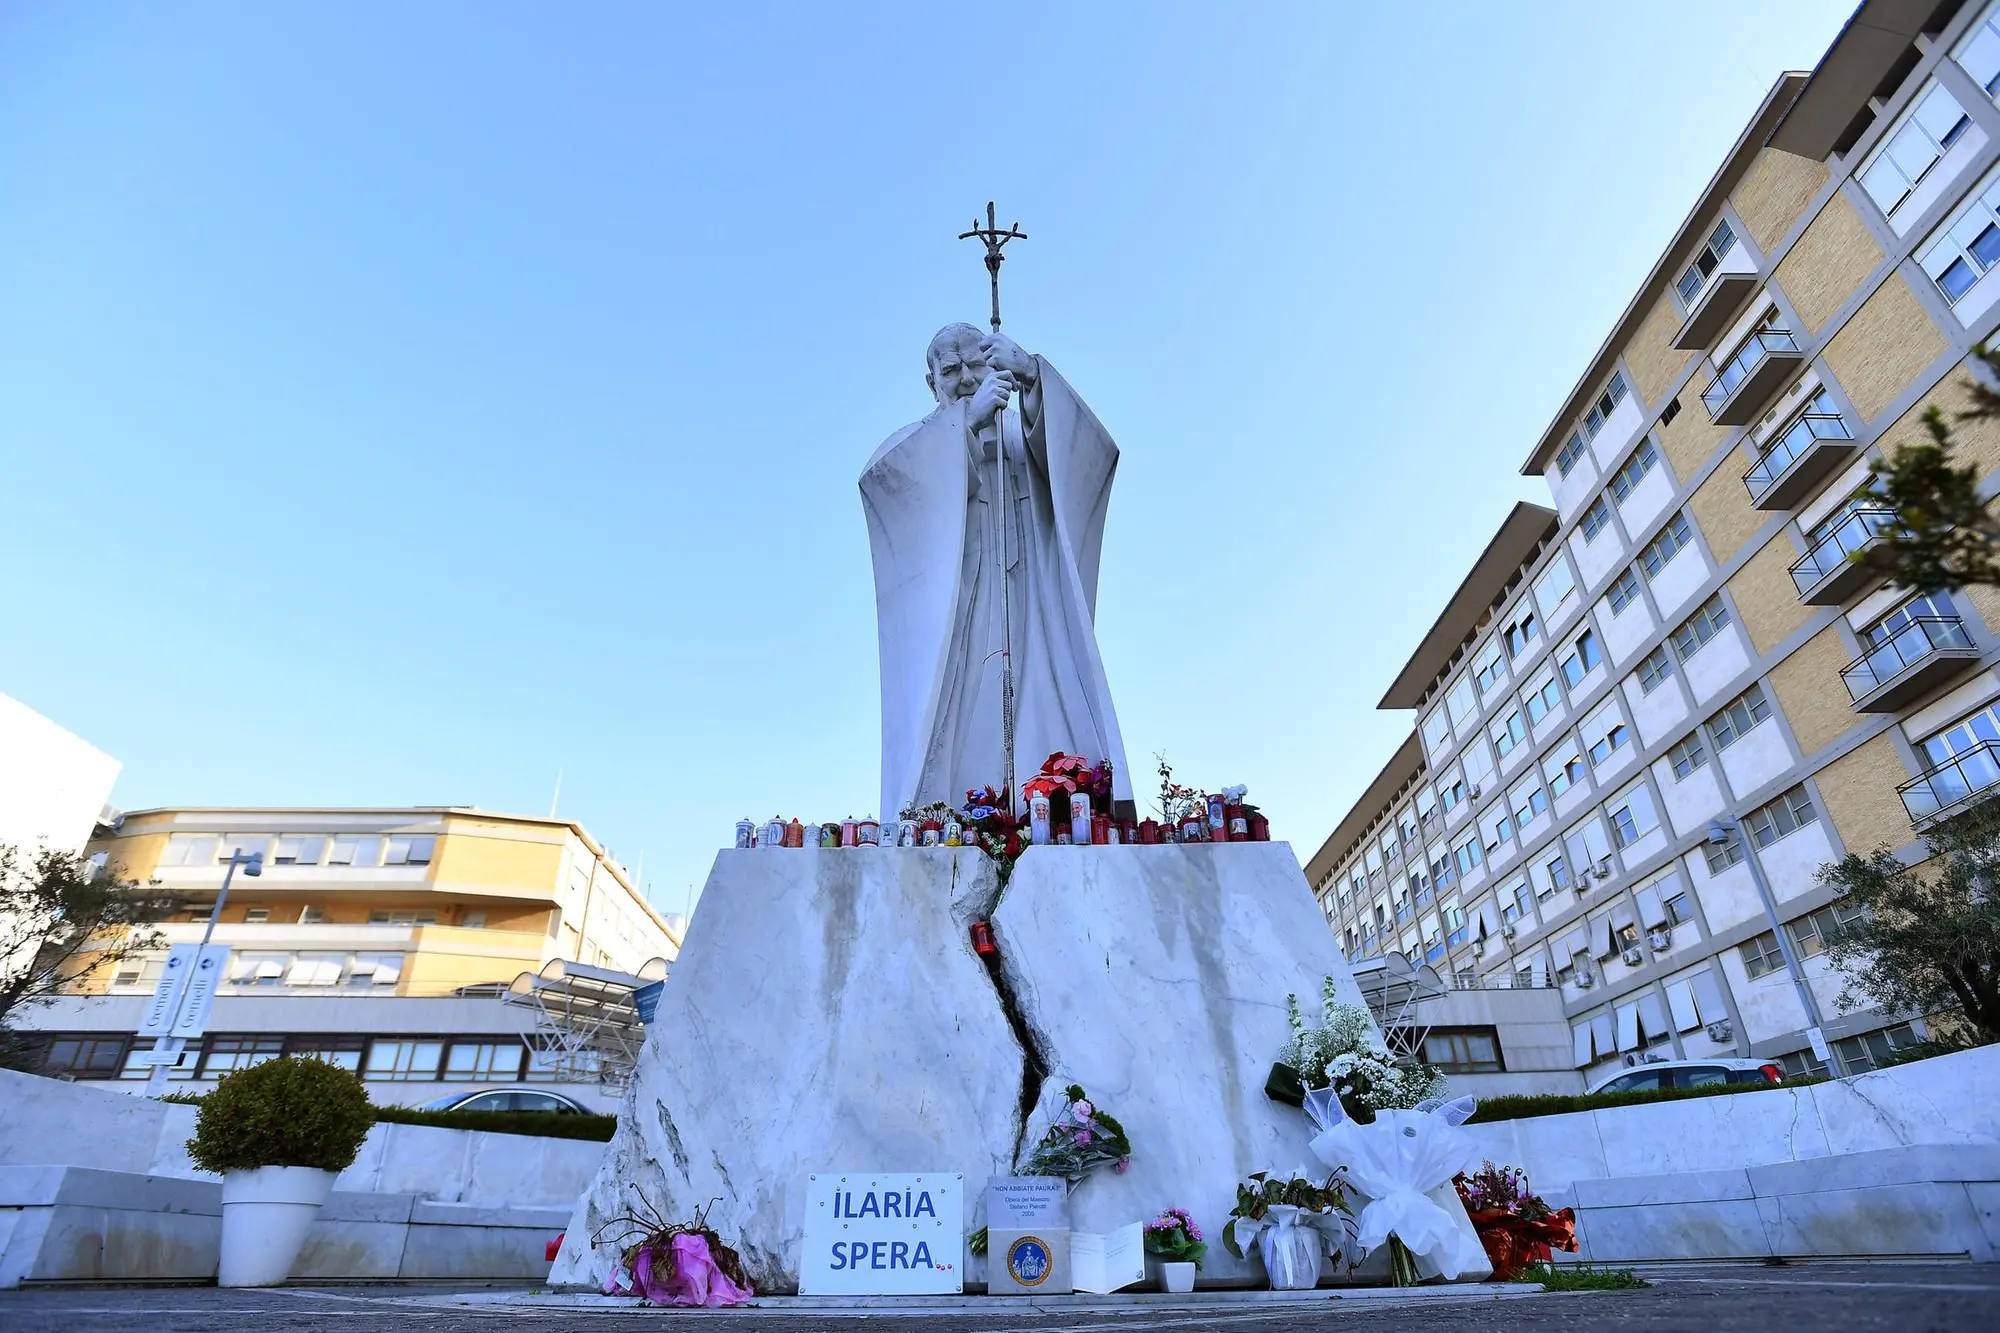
401	404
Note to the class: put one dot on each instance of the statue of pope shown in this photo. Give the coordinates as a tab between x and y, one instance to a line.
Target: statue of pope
939	518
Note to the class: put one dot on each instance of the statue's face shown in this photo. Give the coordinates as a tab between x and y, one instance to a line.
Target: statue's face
958	371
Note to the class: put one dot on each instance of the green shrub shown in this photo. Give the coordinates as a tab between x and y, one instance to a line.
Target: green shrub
1525	1107
543	1124
292	1111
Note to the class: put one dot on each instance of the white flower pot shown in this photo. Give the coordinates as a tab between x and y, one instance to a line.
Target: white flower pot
1177	1277
266	1213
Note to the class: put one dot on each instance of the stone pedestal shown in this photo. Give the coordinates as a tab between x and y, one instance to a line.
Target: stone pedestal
828	1013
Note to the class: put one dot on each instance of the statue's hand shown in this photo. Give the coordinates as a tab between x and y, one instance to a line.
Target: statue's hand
988	399
1003	353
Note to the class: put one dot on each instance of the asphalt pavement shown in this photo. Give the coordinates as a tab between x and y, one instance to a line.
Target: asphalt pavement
1855	1298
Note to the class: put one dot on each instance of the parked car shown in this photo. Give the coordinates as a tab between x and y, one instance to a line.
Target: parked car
508	1099
1689	1074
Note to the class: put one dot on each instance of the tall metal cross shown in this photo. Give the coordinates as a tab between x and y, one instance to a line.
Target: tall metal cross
994	239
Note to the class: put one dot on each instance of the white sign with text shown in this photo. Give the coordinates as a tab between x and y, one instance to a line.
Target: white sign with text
180	1004
883	1234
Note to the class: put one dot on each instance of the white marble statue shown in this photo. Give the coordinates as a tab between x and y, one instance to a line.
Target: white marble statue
936	537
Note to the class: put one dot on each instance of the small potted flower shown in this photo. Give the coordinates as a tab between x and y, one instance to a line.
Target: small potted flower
1175	1238
277	1133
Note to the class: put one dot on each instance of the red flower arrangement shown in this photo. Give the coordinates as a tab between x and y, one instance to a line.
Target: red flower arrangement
1065	773
1516	1227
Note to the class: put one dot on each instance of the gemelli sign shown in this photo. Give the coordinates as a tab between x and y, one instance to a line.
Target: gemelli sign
883	1234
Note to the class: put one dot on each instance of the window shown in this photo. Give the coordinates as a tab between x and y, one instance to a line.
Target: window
312	916
375	969
484	1061
353	851
1966	247
1813	932
1595	519
1761	955
1543	701
1509	732
1632	815
1553	588
1979	54
189	849
1492	669
1687	756
1721	856
1627	478
1563	769
1964	736
1468	856
1463	1051
409	850
295	849
1912	148
254	915
1607	402
1558	873
1625	589
1801	1064
245	845
316	969
344	1052
1572	450
1437	731
1872	1050
257	969
1673	538
1655	669
1696	631
225	1054
1706	262
403	917
403	1060
1529	802
1521	632
1679	911
1581	659
1459	703
84	1057
1499	828
1612	740
1742	713
1785	815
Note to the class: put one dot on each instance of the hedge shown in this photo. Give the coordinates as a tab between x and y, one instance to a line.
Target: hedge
538	1124
1527	1107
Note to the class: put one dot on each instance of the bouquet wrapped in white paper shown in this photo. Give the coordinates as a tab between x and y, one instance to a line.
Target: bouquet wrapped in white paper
1397	1162
1291	1221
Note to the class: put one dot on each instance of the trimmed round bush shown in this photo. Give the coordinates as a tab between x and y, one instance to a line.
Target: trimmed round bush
292	1111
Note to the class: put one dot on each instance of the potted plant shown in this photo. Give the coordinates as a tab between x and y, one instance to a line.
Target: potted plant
277	1133
1176	1239
1291	1221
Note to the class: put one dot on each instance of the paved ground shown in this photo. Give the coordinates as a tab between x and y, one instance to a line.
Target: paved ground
1856	1298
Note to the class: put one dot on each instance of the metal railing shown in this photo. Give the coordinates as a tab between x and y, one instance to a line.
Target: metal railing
1848	536
1953	782
1786	449
1753	353
1921	638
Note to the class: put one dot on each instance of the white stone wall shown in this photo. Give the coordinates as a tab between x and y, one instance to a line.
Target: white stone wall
53	784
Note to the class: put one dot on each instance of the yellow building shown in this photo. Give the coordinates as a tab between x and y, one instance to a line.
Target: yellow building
380	937
1652	712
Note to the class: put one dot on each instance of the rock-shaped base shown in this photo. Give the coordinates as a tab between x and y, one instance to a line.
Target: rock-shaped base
827	1013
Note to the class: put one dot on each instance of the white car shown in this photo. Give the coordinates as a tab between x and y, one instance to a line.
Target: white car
1689	1074
497	1099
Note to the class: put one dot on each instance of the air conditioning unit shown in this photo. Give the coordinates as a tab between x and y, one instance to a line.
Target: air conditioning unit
1632	957
1602	869
1720	1031
1478	947
1584	980
1660	940
1631	1059
1507	931
1475	791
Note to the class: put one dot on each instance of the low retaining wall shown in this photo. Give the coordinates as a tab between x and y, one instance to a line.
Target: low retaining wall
80	1224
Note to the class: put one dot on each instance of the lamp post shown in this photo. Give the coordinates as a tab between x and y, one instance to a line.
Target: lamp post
1720	831
156	1081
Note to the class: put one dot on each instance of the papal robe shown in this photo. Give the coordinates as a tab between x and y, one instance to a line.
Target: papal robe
936	511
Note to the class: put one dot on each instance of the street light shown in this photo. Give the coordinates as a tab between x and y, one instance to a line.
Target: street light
1720	832
156	1082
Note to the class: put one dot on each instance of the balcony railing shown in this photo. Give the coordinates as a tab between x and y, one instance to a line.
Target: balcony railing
1794	462
1952	783
1910	662
1828	573
1747	379
1722	296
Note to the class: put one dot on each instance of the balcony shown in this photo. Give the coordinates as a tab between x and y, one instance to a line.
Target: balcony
1747	379
1949	787
1912	662
1829	573
1713	309
1795	462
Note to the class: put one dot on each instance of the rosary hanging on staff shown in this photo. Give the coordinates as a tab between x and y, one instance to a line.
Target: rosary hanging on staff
995	240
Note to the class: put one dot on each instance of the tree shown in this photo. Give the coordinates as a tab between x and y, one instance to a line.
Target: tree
63	921
1928	940
1945	534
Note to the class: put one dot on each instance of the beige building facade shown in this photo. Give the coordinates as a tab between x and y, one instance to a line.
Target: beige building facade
1653	710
